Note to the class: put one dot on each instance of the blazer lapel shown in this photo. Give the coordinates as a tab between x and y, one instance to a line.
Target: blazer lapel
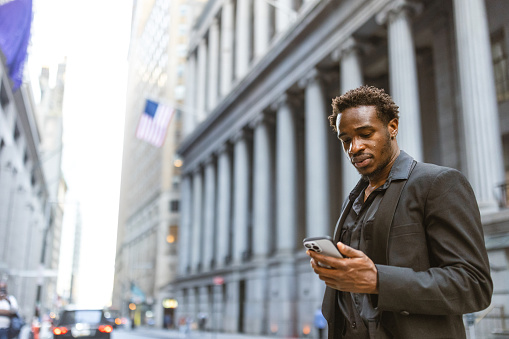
383	220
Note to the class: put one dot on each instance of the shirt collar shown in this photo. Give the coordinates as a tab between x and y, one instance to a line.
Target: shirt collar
400	171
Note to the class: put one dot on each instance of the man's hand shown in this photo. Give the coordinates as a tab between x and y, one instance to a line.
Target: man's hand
356	273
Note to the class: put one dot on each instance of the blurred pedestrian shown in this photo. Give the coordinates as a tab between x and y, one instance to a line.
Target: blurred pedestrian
202	321
320	322
167	321
8	308
182	324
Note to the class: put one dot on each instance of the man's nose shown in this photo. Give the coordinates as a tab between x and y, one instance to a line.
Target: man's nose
355	146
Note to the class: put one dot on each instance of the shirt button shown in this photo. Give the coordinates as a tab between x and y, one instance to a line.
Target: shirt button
354	324
405	313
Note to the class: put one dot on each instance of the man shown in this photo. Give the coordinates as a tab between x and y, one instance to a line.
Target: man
8	307
411	234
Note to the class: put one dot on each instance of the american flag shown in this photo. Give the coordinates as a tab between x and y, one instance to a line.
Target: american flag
154	122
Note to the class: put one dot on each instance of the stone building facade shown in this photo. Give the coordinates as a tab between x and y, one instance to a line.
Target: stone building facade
146	251
32	190
262	169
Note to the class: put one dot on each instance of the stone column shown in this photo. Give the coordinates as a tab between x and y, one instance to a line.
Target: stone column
351	77
283	295
191	109
284	15
204	304
231	308
243	39
224	201
196	251
257	295
484	162
17	219
261	28
209	220
201	81
403	74
227	36
241	177
192	302
262	186
213	89
218	310
180	311
185	244
317	164
11	182
286	176
8	178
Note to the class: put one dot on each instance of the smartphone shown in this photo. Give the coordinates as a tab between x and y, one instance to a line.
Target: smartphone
323	245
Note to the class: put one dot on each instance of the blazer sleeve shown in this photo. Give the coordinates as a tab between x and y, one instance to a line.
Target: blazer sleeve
458	280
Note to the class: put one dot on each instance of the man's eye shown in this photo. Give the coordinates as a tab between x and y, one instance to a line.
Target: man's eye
366	135
346	141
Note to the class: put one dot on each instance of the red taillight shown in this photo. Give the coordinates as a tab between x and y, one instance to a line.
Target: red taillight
105	328
60	330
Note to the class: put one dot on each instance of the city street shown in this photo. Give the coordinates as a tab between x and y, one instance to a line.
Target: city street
154	333
142	334
148	332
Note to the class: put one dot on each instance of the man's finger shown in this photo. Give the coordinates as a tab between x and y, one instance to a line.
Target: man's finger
315	255
349	252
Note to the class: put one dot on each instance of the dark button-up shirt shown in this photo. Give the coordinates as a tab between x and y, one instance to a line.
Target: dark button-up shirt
360	314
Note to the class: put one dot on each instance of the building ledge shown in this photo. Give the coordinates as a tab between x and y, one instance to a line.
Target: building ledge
496	223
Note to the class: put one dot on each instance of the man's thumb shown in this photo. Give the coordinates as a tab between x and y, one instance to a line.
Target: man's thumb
347	251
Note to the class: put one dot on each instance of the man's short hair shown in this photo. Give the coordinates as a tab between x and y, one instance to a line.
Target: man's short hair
386	109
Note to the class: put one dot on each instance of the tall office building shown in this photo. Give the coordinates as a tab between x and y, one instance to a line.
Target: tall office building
262	168
148	231
50	122
31	187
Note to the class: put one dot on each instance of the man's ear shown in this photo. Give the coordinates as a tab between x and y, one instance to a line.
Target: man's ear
392	127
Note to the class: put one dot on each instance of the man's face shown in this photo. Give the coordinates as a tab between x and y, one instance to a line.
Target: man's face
366	139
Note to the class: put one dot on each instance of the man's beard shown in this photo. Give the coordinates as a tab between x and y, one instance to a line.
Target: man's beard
385	155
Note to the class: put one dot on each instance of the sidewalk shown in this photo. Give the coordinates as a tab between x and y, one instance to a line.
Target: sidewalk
175	334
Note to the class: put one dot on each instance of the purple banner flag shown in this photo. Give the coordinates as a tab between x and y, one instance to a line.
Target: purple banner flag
15	24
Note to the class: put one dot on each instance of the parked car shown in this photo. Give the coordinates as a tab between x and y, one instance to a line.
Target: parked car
82	323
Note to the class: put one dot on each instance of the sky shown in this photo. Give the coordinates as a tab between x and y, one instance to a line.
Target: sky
93	36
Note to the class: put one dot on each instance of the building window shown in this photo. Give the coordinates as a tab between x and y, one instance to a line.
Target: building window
172	239
297	5
500	65
174	205
176	178
182	50
172	236
4	98
17	133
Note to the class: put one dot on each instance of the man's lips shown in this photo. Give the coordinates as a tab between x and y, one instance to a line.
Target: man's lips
361	160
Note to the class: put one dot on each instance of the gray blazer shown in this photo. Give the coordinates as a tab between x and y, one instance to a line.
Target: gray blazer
427	243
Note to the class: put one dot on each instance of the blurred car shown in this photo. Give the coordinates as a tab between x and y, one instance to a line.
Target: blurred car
113	316
82	323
